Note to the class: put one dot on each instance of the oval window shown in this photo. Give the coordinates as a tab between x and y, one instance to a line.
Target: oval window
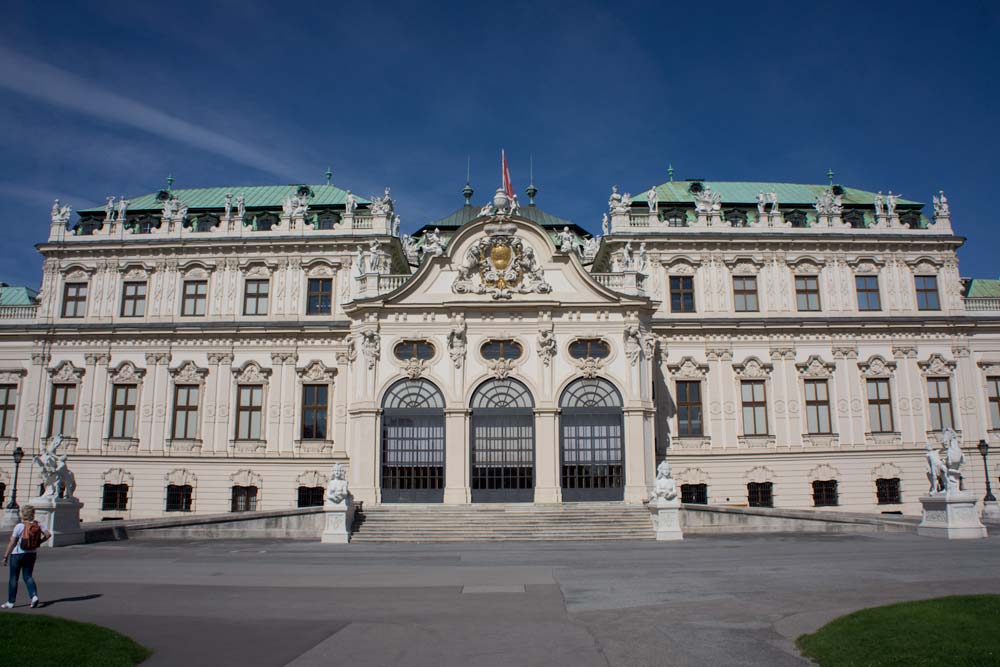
589	348
501	349
413	349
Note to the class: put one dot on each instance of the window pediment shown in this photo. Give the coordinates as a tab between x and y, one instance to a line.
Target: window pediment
316	371
815	367
753	369
189	373
937	366
66	373
252	373
877	367
688	368
126	373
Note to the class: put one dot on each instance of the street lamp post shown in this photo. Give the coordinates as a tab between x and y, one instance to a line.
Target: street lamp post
18	457
984	449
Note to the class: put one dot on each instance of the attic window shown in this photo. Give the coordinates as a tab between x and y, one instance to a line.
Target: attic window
855	218
675	217
910	219
413	349
736	217
796	218
696	187
589	348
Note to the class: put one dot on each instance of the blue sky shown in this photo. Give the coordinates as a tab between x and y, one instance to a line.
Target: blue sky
105	98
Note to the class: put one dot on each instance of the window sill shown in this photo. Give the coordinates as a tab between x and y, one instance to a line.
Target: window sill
690	442
121	445
68	445
314	446
885	439
756	441
820	439
184	445
249	446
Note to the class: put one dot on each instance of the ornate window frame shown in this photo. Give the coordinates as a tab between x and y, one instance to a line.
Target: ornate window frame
187	373
816	368
501	369
118	476
65	372
126	373
181	477
752	368
247	477
14	376
936	367
315	372
876	367
415	368
989	368
250	373
590	367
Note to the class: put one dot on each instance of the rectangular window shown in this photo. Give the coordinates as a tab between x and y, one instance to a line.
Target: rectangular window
868	294
179	498
8	404
754	407
694	493
185	412
311	496
880	406
255	296
825	493
689	411
817	406
133	299
807	293
195	298
314	411
249	409
745	294
244	499
123	402
927	293
74	300
681	294
887	491
319	297
993	390
760	494
62	413
115	498
939	396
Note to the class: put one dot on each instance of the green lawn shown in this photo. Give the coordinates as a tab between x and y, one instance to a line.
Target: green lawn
31	640
960	630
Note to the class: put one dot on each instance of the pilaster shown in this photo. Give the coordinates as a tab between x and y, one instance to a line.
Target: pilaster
547	486
456	456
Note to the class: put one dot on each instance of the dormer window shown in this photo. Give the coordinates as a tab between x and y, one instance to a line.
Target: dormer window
413	349
855	218
796	219
501	349
589	348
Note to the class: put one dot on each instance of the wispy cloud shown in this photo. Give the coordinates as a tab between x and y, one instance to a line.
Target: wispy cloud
44	82
32	195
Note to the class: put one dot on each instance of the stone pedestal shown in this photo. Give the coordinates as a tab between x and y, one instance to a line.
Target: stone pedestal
61	516
952	516
10	518
339	520
666	515
991	511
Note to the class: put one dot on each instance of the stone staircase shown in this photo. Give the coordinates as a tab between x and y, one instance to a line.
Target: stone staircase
490	522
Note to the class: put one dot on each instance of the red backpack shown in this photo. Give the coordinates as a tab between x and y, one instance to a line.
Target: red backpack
32	536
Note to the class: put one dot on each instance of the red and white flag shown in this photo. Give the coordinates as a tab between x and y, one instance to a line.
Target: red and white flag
508	187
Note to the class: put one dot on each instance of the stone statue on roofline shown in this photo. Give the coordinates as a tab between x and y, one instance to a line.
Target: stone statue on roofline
652	196
60	214
566	239
879	205
761	205
605	225
109	209
941	208
122	208
890	203
433	244
375	263
227	205
396	224
350	202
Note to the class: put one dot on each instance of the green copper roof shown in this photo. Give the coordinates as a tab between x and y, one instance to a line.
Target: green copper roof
740	192
256	196
16	296
983	288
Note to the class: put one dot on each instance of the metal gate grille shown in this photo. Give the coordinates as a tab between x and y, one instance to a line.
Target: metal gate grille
413	443
591	443
502	441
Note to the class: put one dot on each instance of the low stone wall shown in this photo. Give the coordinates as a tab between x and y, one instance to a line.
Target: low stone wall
718	520
294	524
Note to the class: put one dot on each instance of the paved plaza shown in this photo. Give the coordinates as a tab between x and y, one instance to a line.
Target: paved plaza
727	600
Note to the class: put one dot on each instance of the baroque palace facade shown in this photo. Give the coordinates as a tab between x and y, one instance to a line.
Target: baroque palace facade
216	350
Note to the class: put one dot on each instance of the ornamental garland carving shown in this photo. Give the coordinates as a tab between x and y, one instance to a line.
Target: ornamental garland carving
936	365
66	373
126	372
753	368
815	367
252	373
823	472
12	376
688	368
316	371
877	367
504	264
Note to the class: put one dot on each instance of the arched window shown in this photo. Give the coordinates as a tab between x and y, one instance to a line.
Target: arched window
502	442
413	443
591	441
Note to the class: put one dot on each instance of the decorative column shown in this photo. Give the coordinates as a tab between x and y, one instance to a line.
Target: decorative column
342	396
275	400
100	397
911	413
850	396
155	433
223	363
723	410
37	388
973	423
787	415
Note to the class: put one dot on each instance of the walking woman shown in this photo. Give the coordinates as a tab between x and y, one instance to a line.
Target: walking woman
22	552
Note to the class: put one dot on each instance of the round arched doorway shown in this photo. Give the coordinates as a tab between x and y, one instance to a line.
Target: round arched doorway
591	441
502	443
413	443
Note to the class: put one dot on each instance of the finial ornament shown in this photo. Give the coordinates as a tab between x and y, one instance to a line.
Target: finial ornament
829	175
170	183
670	172
329	175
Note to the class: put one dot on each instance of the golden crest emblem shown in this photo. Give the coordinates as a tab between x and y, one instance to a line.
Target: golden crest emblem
505	264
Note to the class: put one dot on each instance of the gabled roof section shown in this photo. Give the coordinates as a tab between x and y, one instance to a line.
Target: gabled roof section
17	296
256	196
745	192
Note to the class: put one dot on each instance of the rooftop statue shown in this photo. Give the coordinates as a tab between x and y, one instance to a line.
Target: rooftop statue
566	240
228	205
665	487
300	206
772	197
652	198
109	209
707	201
409	245
761	204
375	263
57	478
122	208
241	208
514	206
60	214
359	260
396	224
879	205
605	225
628	257
890	203
590	246
486	210
829	204
941	208
350	202
287	207
433	244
